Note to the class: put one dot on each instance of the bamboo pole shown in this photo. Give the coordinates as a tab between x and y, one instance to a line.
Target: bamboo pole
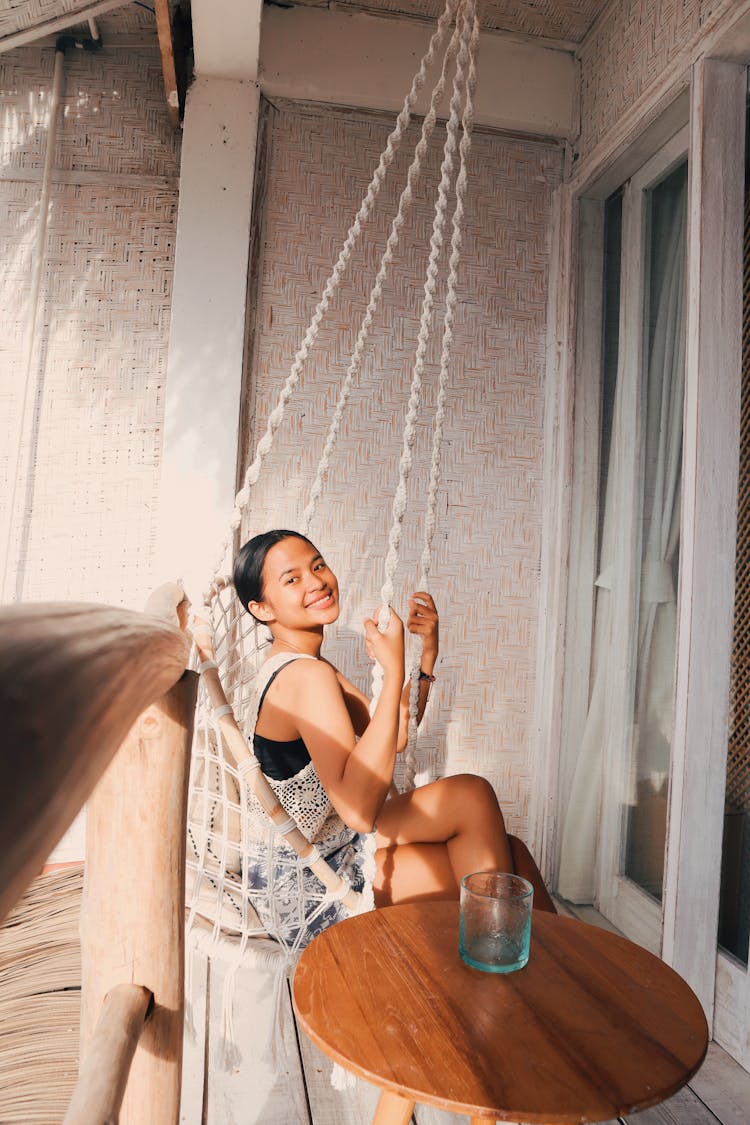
166	47
101	1083
132	919
73	678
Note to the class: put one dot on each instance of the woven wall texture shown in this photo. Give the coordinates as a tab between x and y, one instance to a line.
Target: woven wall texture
17	15
486	565
84	523
627	51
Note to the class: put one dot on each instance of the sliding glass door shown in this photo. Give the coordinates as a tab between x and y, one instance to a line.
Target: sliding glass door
614	813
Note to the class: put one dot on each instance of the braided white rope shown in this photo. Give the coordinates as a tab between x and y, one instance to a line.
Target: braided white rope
442	397
415	397
405	200
436	245
386	159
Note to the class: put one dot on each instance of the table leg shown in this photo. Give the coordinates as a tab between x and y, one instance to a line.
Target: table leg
392	1109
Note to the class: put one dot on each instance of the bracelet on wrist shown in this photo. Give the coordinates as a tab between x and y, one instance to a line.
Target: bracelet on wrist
426	676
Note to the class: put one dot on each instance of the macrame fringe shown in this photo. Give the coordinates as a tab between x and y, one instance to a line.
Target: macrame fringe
228	1052
236	956
190	1028
274	1049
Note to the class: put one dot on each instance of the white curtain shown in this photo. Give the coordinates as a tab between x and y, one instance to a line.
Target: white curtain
651	736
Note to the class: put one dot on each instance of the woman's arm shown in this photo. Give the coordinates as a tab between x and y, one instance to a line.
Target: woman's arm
423	621
356	774
357	704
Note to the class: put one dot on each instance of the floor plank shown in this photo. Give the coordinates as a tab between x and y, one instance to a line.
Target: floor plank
430	1115
328	1106
684	1108
194	1045
723	1086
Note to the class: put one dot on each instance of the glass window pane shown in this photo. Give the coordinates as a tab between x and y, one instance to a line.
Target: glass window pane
663	394
610	342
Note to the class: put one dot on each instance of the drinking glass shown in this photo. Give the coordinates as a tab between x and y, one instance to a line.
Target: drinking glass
495	921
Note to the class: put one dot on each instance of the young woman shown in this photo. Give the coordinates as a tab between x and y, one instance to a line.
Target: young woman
317	742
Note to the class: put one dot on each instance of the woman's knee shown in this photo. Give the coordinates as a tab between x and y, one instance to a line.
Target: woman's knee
475	793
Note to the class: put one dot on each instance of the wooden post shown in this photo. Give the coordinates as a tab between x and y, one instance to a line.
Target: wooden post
132	921
101	1083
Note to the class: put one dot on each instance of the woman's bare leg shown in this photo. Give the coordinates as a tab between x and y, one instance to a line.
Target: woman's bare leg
413	873
524	865
460	818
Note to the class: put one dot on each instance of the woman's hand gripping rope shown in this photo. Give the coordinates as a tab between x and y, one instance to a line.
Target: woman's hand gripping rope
387	648
423	621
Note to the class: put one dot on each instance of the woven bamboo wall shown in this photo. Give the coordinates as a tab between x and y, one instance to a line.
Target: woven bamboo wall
486	566
85	518
627	50
17	15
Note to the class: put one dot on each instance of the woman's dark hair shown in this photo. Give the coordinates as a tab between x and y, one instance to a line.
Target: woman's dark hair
248	565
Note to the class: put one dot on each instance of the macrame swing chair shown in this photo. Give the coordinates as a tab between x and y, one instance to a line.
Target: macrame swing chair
252	873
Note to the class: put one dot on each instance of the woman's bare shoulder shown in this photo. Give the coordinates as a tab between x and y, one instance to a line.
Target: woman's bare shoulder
303	674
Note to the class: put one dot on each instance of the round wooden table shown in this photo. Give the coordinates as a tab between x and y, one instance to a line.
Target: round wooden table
593	1027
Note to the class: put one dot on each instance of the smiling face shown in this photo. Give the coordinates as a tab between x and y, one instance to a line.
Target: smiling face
299	590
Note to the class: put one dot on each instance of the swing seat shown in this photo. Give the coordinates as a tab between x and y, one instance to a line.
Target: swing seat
234	906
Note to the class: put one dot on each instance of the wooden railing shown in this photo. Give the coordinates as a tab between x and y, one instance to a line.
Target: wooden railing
93	696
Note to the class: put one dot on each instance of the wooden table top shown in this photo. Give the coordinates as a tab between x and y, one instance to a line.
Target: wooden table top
593	1027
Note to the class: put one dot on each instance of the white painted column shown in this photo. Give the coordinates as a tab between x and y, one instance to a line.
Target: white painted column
207	334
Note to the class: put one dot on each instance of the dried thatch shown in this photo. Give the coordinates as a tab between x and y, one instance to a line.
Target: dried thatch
40	999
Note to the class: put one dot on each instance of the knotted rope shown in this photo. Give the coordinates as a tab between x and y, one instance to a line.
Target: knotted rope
404	204
276	416
467	20
467	123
